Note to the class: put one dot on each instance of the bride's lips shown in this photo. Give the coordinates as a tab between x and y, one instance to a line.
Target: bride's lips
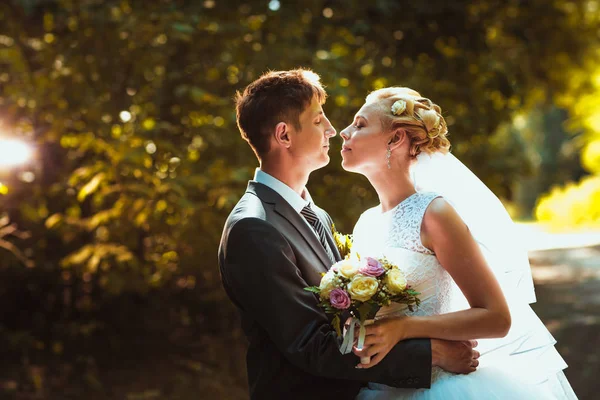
346	149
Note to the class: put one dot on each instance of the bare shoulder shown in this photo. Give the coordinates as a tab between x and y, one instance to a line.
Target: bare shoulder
441	217
439	210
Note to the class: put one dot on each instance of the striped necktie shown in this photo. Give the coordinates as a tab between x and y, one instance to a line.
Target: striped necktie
313	220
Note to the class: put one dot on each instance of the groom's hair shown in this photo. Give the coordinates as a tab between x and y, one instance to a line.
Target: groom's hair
277	96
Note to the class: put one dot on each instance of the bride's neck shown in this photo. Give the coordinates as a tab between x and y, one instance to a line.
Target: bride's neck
392	187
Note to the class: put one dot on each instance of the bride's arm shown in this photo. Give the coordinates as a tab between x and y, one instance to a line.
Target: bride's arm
444	232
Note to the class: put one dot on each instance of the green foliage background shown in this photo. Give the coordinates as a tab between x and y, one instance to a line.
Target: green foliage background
114	290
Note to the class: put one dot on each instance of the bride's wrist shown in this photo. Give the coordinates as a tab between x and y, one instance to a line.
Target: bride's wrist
402	329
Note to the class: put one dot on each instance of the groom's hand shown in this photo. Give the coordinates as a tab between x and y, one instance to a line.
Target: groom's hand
454	356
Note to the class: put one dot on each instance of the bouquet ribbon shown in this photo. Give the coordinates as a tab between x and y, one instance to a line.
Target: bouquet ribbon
349	336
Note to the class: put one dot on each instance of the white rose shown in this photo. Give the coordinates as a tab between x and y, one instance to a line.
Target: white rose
327	284
362	288
398	107
347	268
395	280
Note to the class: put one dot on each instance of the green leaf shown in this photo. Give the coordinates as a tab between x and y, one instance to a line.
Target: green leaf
335	322
367	310
313	289
91	186
53	220
183	28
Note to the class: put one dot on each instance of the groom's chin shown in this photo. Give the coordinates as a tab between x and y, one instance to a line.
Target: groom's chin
347	167
322	164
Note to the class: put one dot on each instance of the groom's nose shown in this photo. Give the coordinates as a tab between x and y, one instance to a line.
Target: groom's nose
330	131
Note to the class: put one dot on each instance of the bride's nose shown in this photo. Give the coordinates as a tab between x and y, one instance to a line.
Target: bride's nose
345	133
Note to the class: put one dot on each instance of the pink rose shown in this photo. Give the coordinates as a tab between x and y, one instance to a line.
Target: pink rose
339	299
371	267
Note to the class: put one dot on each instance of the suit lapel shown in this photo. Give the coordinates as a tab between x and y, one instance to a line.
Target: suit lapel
285	210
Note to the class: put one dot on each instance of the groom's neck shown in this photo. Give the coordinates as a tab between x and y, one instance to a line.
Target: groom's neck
293	177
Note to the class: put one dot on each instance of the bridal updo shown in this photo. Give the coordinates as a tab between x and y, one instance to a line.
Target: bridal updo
422	119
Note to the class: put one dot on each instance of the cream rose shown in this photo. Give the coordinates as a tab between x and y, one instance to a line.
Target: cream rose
398	107
347	268
327	284
362	288
395	280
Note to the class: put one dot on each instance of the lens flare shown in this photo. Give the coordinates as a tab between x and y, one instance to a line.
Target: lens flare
13	152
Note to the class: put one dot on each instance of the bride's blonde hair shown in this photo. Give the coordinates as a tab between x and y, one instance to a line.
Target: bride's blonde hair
422	119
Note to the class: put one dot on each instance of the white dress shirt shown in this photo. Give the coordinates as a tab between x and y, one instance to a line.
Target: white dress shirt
288	194
294	199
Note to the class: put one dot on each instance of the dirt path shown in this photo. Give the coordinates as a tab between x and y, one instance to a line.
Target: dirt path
568	292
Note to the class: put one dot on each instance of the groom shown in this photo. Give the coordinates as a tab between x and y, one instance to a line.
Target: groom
276	241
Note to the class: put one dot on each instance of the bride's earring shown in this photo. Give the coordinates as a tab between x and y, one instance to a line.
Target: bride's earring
388	155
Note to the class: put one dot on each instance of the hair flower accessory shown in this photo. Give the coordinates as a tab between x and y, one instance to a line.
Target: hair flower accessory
398	107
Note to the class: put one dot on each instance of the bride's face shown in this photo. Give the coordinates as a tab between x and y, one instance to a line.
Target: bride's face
365	143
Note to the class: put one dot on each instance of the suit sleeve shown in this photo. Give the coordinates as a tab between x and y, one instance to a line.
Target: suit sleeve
259	271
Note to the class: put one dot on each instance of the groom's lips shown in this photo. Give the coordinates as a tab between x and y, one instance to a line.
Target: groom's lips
345	149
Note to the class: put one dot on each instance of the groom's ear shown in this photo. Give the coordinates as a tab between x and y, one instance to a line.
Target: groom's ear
282	135
397	139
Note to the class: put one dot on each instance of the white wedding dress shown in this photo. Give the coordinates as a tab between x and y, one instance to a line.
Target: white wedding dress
525	366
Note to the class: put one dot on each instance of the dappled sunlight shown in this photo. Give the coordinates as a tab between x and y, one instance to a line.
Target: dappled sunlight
120	159
538	236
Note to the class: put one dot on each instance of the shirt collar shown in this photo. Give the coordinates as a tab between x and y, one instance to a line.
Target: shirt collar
288	194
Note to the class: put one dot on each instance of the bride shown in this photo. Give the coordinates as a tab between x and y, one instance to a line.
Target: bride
453	239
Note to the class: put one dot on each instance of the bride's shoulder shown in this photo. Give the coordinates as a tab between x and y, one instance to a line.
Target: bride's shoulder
366	216
370	212
440	213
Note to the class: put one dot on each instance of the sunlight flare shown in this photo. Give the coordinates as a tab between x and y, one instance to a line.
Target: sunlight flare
14	152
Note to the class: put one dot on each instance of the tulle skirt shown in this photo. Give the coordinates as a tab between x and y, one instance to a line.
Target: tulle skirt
489	383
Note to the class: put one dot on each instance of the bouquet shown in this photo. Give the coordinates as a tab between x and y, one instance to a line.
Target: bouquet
343	242
361	286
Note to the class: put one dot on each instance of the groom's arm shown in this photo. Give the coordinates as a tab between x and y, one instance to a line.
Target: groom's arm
259	270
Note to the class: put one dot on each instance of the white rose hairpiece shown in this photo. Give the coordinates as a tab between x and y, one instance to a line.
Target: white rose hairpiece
398	107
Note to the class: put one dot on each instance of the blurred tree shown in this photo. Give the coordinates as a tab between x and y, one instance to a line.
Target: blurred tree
553	153
578	202
139	160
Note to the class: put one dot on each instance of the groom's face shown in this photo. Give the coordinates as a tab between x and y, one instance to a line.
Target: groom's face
310	144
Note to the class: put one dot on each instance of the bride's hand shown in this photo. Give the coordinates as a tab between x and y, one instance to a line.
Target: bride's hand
381	337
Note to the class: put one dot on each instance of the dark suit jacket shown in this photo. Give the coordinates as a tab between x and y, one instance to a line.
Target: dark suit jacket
268	255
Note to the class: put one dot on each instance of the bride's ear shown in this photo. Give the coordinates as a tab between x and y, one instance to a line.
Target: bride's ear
397	139
282	135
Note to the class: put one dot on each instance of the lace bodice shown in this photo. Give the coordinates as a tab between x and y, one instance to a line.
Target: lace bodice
396	235
405	222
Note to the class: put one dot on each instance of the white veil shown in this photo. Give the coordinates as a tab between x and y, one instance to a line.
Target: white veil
484	214
528	345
